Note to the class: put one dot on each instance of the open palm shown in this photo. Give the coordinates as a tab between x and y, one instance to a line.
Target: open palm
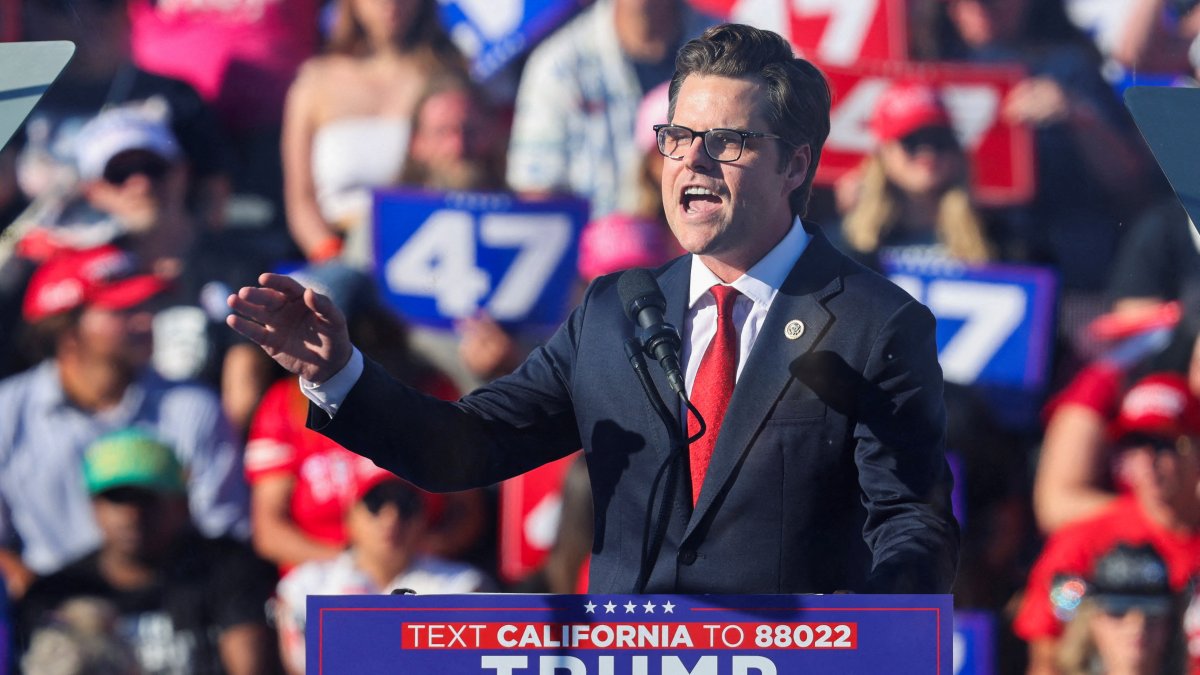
301	329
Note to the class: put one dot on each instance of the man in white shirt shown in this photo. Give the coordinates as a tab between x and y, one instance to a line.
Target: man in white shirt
825	404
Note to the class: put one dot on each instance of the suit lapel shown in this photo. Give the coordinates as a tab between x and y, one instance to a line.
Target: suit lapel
674	283
766	373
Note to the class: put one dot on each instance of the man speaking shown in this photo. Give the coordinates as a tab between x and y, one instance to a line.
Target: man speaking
822	466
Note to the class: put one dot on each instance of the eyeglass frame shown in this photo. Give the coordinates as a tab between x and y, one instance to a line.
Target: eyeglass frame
703	135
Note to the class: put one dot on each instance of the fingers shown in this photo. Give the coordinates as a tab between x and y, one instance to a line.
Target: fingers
282	283
255	332
322	306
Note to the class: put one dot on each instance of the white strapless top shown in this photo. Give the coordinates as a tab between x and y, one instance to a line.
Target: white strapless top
351	156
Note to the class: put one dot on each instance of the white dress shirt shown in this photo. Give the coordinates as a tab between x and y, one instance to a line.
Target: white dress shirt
757	286
757	289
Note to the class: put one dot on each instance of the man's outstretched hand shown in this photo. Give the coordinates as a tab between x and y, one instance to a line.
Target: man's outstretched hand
301	329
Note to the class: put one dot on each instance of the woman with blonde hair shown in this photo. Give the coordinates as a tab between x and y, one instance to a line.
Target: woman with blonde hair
912	192
348	118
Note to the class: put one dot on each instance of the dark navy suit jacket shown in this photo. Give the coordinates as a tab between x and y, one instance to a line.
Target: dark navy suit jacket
829	473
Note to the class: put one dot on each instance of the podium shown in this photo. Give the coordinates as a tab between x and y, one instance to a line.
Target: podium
510	634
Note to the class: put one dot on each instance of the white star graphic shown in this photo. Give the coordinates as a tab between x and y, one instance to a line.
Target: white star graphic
649	607
590	607
668	608
610	607
629	607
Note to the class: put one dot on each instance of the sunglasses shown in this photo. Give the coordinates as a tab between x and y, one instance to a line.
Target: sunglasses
124	167
1158	444
404	498
938	139
1149	610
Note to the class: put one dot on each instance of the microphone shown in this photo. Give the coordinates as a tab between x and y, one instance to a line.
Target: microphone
644	304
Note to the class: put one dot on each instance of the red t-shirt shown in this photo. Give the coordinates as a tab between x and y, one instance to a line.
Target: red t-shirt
1074	550
279	443
1098	385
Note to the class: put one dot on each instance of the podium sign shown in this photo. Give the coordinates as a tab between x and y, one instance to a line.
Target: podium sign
630	634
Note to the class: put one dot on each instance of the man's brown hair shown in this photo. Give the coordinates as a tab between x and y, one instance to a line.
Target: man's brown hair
798	97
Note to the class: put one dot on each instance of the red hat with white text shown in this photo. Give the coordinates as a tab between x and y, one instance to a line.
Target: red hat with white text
105	277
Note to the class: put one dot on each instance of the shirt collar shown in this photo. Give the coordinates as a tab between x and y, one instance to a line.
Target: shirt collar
48	393
46	389
762	281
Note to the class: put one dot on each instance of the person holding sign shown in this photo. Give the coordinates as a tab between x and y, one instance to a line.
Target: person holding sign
913	195
828	470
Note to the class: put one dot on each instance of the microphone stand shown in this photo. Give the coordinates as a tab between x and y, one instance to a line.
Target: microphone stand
652	537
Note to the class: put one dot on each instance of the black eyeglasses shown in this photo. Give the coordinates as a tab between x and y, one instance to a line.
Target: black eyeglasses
121	168
722	145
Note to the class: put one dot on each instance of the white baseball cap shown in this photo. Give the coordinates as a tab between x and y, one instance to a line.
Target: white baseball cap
119	130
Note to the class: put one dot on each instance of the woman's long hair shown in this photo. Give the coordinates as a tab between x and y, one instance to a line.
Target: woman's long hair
1077	653
425	36
959	226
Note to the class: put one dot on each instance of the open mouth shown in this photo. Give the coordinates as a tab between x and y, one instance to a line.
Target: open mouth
699	200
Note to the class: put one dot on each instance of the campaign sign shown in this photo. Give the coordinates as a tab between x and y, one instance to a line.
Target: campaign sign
508	634
530	510
1002	160
995	323
837	32
974	643
492	34
440	257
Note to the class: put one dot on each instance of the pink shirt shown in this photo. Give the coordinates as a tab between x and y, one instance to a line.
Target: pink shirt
241	55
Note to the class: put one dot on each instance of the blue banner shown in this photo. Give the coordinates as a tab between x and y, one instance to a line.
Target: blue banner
440	257
995	323
974	643
492	34
636	635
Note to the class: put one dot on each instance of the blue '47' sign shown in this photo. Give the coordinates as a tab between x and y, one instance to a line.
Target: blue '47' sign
995	322
441	257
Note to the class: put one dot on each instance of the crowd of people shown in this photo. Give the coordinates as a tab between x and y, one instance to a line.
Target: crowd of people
163	507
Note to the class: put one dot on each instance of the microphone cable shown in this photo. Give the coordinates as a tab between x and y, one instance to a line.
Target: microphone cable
655	529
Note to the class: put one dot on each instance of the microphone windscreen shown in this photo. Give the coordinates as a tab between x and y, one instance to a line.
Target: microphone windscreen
638	288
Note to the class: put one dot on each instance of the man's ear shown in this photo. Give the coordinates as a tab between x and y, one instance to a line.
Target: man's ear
798	166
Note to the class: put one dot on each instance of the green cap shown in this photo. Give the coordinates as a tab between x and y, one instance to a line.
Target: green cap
132	458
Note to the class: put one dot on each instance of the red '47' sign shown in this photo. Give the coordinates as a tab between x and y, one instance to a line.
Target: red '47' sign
1001	153
530	508
830	31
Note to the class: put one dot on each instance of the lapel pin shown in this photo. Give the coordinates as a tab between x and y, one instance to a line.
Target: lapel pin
793	329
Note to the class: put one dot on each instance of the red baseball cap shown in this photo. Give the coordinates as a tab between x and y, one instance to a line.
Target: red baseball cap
104	277
905	107
1159	405
368	476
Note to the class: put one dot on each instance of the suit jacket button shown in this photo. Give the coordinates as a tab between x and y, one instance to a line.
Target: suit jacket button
687	556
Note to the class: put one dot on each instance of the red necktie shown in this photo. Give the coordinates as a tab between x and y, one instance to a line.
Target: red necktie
713	385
